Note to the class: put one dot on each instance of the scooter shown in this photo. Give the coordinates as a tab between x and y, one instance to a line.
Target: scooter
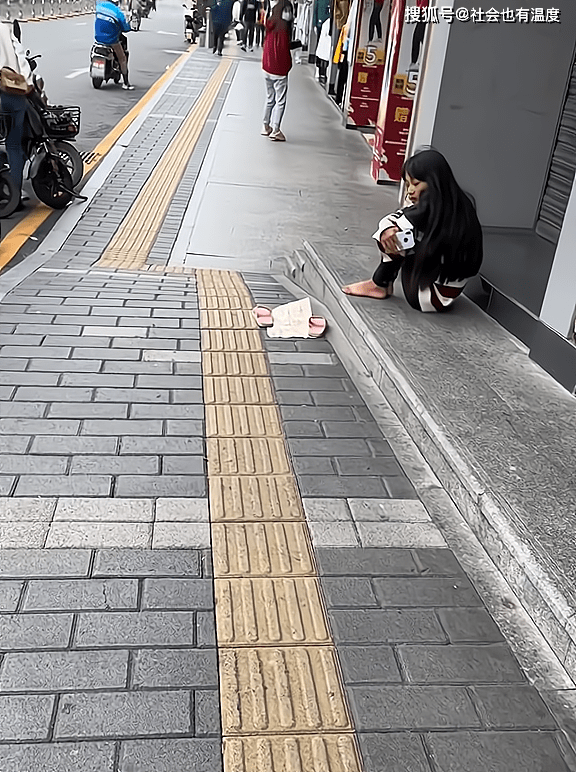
193	23
104	65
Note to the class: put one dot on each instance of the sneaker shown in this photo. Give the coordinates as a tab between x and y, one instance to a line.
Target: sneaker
219	53
243	48
128	87
277	136
251	49
266	130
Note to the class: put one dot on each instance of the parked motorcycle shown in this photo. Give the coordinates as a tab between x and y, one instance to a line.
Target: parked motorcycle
193	23
104	65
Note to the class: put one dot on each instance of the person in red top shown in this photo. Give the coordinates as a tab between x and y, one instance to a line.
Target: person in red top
277	63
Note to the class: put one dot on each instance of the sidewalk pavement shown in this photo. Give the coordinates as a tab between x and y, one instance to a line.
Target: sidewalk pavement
211	553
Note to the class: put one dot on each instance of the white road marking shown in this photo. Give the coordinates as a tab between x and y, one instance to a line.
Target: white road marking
171	51
161	32
77	73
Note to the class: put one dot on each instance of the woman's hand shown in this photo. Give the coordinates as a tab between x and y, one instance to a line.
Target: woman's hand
388	240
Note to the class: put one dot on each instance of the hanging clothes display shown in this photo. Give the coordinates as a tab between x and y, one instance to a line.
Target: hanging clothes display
341	11
321	13
303	22
324	48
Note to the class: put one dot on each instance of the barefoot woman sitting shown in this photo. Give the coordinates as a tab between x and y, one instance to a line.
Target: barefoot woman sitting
442	224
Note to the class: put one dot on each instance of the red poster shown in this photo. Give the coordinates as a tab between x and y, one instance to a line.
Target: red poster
368	63
399	88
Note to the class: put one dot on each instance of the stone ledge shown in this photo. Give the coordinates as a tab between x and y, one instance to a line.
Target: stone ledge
523	537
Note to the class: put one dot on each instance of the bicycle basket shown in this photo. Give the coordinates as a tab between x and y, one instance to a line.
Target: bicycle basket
61	122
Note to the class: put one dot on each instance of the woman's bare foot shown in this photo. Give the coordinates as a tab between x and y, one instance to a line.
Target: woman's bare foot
367	289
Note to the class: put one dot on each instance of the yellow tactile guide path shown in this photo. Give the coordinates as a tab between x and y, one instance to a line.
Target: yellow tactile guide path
281	693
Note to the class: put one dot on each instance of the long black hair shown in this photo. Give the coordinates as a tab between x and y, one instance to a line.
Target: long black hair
451	247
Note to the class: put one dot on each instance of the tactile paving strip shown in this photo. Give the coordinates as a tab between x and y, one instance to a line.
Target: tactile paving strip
283	704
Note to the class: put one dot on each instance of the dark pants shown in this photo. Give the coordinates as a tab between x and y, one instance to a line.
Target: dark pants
249	27
15	106
375	24
220	31
259	35
417	39
387	272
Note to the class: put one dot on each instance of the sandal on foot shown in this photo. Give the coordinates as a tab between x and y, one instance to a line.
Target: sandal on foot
317	327
263	316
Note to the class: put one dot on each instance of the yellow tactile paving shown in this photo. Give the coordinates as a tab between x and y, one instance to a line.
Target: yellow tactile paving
231	340
291	753
275	689
238	391
264	612
242	421
137	233
254	456
261	550
228	319
256	499
283	703
234	363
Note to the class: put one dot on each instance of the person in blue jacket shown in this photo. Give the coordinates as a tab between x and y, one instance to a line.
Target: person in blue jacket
221	14
108	29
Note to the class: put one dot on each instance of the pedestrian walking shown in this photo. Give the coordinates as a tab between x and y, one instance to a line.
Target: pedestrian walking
436	241
277	63
248	19
12	55
221	15
260	23
238	26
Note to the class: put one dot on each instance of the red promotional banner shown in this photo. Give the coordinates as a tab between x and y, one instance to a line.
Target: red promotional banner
368	63
400	80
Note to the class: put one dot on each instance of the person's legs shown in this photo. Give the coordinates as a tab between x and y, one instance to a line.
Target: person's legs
380	286
16	107
122	61
375	25
281	90
270	101
250	36
417	39
221	35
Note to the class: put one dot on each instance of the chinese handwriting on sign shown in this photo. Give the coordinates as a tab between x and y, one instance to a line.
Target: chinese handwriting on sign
401	115
437	14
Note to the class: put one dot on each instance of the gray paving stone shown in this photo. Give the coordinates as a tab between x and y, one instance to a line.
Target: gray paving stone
188	368
148	628
381	708
128	427
6	392
133	395
34	426
183	465
12	379
366	562
115	465
331	398
185	668
33	464
25	717
185	428
349	592
369	664
177	594
400	488
388	510
286	369
299	398
138	368
10	595
106	353
326	509
68	445
178	755
63	485
81	594
425	592
123	715
87	410
99	380
187	396
439	562
36	352
400	535
344	487
512	707
326	447
303	429
169	381
330	370
393	752
459	664
350	429
207	714
41	563
496	751
6	485
386	626
373	467
205	629
311	413
167	411
289	383
35	631
13	444
163	446
98	535
56	671
336	534
469	625
162	485
129	562
313	465
13	364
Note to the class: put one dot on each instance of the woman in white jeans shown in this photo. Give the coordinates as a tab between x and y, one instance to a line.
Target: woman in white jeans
277	63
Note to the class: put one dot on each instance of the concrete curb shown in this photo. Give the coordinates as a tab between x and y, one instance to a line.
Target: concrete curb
492	520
